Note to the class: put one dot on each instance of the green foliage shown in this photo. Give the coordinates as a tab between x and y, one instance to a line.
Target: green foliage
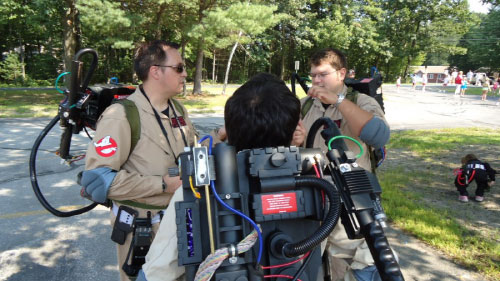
391	35
482	44
11	68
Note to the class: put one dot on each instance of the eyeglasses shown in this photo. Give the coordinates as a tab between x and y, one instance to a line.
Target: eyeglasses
321	75
178	68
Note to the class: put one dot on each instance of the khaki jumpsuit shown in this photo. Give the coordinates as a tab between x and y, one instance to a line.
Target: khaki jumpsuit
140	173
340	248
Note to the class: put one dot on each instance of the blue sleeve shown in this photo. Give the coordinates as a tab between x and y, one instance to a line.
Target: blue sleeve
375	133
97	182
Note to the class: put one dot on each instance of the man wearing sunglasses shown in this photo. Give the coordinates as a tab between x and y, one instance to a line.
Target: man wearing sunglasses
136	178
363	120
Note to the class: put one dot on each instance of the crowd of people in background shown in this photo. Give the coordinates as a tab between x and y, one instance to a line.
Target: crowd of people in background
461	82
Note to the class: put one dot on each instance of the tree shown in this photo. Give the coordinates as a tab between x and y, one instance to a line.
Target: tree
482	43
11	68
237	24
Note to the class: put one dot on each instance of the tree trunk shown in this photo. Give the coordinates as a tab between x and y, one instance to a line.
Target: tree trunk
70	40
198	70
21	51
413	43
213	69
283	53
229	63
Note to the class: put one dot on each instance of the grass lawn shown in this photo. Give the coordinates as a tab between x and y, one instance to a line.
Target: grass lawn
420	197
44	103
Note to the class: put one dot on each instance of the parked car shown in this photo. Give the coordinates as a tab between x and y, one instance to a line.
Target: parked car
477	76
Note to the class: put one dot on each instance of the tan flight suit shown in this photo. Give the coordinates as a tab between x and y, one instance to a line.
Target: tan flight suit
338	245
140	172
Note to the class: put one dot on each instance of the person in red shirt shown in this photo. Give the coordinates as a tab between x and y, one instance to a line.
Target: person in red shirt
458	82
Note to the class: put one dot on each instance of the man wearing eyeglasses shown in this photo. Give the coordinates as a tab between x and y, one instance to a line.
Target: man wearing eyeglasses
137	177
363	120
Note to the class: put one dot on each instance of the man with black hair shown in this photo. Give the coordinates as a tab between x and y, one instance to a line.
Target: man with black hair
136	175
358	116
263	112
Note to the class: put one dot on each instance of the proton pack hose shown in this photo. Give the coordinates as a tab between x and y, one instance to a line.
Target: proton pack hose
34	181
306	245
331	130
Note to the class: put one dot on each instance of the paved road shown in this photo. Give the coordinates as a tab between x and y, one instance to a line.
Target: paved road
36	245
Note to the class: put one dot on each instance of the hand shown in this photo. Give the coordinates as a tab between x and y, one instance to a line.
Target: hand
299	135
491	183
96	183
323	95
172	183
221	133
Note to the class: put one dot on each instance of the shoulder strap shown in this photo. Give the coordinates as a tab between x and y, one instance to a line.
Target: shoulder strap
134	120
178	106
306	106
352	95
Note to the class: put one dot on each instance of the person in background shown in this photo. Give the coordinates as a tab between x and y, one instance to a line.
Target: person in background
463	88
454	75
413	82
351	74
470	74
458	83
446	80
474	169
486	88
424	82
398	84
496	87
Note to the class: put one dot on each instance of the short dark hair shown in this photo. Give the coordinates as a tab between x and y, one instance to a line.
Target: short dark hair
334	57
149	54
263	112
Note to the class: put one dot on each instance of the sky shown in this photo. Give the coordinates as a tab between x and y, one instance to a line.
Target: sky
477	6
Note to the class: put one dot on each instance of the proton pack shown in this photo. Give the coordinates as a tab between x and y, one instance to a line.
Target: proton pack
79	110
291	198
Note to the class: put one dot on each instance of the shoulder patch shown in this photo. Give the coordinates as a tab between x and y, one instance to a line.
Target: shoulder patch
106	147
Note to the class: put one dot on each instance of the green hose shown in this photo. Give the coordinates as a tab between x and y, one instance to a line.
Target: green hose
349	138
57	81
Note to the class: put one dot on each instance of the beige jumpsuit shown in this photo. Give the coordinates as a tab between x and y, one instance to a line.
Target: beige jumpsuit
341	249
140	172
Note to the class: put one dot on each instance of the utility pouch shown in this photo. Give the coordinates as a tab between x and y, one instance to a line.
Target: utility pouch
124	224
141	241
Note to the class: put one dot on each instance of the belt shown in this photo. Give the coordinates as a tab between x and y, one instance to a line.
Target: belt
154	220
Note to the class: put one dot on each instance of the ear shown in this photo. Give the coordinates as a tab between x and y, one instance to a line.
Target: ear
154	72
342	73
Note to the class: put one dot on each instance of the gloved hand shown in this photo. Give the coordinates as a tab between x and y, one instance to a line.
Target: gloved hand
97	182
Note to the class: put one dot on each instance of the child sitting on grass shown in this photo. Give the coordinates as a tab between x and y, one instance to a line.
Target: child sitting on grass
474	169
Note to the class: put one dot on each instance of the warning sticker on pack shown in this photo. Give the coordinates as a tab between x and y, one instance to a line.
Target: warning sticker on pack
279	203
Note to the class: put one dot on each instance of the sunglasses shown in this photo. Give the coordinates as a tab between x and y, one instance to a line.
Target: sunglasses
178	68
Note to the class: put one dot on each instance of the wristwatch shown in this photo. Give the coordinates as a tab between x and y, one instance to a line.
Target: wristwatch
340	98
163	185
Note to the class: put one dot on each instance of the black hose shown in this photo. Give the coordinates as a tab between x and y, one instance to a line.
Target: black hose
331	130
92	67
34	181
306	245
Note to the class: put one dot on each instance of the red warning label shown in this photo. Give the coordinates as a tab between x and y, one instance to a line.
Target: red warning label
279	203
